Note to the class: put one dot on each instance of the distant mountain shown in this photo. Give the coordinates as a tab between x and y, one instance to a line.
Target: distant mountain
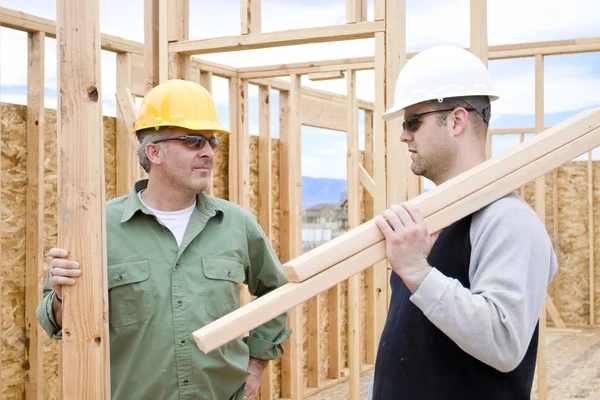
322	190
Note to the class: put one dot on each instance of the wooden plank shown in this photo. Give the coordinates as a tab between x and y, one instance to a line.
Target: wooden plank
267	307
325	76
85	343
265	187
335	329
366	180
234	161
592	258
330	253
250	16
304	66
324	114
362	30
206	80
380	279
540	209
314	342
29	23
34	203
285	71
243	138
291	225
356	11
151	44
178	25
370	340
479	31
399	175
354	347
163	41
553	312
127	160
284	86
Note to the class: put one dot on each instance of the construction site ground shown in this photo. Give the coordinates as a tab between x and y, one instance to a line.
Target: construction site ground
573	368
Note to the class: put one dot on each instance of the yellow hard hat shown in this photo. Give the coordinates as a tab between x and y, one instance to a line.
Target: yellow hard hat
179	103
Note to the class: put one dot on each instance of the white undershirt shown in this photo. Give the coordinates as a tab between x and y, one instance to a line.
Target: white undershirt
176	221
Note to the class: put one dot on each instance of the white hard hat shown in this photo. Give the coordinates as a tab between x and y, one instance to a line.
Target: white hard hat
437	73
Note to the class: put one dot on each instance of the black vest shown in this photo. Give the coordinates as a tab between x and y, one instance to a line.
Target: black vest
417	361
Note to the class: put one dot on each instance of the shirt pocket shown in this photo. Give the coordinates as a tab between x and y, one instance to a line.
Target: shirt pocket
223	275
130	291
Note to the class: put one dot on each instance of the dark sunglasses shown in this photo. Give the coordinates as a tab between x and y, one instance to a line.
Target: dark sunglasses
411	123
195	142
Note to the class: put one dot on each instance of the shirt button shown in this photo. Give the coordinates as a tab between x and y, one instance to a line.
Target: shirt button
182	343
180	302
176	265
185	382
229	273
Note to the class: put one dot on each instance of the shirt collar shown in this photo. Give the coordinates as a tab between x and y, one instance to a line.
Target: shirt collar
204	203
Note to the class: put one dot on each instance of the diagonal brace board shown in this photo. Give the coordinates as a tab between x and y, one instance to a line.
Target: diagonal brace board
267	307
444	195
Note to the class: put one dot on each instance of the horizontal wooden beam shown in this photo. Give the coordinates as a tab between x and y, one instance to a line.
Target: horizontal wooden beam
30	23
291	37
265	308
326	76
326	114
442	196
278	84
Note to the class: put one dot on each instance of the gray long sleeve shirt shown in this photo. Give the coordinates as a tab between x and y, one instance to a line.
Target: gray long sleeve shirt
512	262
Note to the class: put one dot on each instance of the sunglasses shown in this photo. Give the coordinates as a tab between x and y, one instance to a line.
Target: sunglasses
411	123
194	142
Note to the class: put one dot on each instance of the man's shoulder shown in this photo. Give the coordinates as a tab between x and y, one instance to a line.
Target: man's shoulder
509	213
116	206
229	207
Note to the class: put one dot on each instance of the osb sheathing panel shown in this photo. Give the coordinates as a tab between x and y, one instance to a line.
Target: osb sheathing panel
14	190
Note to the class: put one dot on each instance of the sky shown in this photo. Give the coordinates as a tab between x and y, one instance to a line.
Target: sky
572	82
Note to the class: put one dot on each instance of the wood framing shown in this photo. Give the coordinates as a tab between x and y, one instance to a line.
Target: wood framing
367	234
250	16
362	30
267	307
34	246
85	344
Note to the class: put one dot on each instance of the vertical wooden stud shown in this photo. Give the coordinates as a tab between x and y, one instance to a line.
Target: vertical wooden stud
353	222
82	218
34	241
540	208
127	161
233	142
250	16
590	169
163	40
151	40
180	65
291	227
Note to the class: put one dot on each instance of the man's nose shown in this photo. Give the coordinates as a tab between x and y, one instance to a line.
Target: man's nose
406	137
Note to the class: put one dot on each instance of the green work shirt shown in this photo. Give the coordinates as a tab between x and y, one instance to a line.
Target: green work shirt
159	294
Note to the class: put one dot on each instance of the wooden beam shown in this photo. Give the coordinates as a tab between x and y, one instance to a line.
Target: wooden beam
326	76
34	203
85	343
180	65
307	70
554	314
342	247
127	161
250	16
590	168
324	114
265	217
479	36
151	44
29	23
353	221
290	154
163	40
304	66
366	180
540	209
234	110
335	33
273	304
356	11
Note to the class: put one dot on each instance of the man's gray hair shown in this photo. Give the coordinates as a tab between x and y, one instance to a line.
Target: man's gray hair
480	117
145	137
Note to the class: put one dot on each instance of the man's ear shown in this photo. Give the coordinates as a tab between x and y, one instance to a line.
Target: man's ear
154	153
459	119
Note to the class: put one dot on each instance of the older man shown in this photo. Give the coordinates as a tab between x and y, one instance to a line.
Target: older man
175	259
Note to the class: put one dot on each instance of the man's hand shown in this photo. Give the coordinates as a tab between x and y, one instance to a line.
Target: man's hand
62	272
407	243
256	368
